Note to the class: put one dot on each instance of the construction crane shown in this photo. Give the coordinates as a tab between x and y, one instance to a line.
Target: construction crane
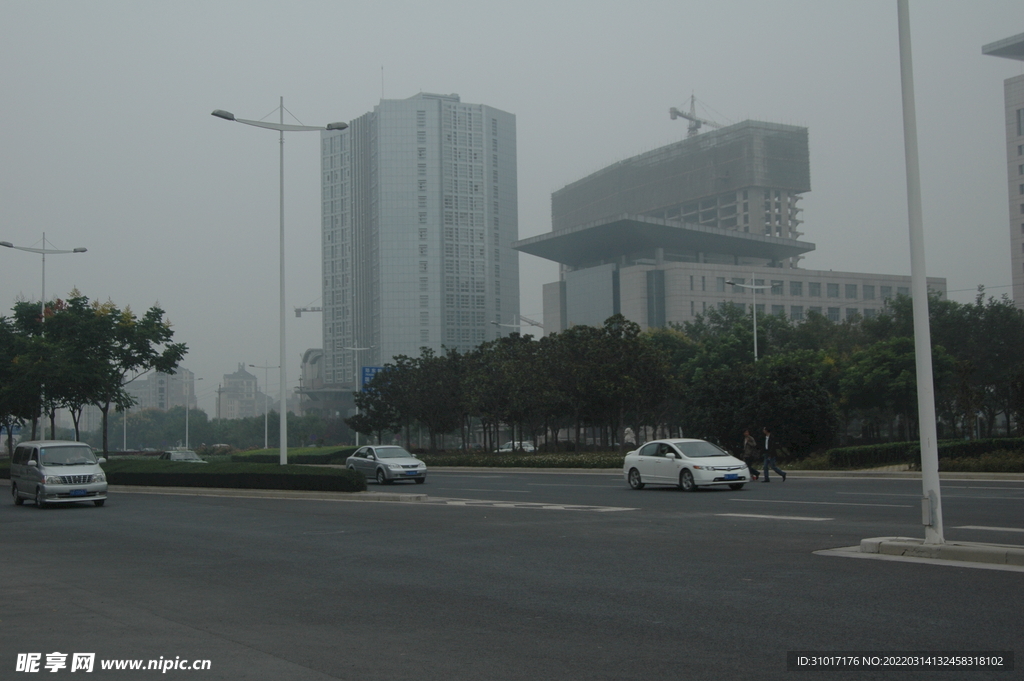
519	326
300	310
695	123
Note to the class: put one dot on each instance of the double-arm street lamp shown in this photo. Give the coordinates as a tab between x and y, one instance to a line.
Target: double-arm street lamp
753	292
44	251
281	128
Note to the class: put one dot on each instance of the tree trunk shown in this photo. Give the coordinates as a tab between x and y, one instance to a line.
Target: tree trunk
104	411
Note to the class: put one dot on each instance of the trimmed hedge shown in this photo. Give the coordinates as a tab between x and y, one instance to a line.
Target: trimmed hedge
910	452
526	460
336	457
233	475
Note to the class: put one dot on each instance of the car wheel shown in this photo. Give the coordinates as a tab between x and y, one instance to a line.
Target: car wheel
738	485
382	478
686	482
40	500
99	502
420	481
18	501
634	479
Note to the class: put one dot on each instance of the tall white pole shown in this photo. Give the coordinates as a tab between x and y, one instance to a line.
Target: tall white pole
284	371
42	303
931	504
753	290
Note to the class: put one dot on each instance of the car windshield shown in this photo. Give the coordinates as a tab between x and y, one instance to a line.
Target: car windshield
185	456
699	449
66	455
392	453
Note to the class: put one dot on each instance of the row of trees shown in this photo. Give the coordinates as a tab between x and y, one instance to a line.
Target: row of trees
816	379
74	353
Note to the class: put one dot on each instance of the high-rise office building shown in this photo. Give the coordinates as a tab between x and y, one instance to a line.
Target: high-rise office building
419	214
1013	94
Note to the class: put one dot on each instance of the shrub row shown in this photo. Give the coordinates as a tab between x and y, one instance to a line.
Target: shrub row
336	457
910	452
524	460
233	475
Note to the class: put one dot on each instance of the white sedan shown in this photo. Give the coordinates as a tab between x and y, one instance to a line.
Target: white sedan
690	464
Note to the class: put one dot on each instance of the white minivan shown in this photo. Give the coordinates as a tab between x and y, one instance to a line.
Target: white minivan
57	472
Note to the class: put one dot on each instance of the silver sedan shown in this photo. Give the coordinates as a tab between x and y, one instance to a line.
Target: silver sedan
387	463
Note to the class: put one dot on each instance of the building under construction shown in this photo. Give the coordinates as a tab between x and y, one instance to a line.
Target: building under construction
662	236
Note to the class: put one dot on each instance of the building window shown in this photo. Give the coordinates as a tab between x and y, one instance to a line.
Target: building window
738	280
796	288
424	317
869	292
423	283
703	284
833	291
903	290
852	313
814	289
869	313
424	301
886	292
720	284
760	308
777	287
423	250
814	310
691	276
424	336
1020	122
423	265
796	313
833	314
778	310
851	291
423	218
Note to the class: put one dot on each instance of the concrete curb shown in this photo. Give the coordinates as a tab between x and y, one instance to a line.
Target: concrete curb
973	552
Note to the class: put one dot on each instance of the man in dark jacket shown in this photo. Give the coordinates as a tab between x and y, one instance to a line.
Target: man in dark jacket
770	449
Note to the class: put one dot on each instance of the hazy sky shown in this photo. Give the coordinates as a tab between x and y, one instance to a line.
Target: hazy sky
106	138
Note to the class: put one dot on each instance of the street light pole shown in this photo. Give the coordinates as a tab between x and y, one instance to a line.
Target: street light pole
188	406
266	399
753	293
42	303
281	128
358	377
43	251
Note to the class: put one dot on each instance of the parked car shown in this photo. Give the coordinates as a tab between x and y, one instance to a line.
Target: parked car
184	455
387	463
690	464
512	446
57	472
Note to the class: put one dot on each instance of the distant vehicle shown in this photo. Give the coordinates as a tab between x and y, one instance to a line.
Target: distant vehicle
57	472
185	455
690	464
387	463
512	446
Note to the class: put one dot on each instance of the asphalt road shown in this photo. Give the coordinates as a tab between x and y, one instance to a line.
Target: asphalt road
507	575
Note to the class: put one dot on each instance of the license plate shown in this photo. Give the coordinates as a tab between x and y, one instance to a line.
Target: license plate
78	492
731	476
412	472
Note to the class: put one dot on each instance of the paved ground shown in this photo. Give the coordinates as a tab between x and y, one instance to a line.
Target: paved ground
507	575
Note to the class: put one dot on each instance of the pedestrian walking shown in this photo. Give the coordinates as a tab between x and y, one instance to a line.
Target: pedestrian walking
770	451
750	455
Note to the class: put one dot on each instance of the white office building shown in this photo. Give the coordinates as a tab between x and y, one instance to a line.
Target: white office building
419	214
1013	98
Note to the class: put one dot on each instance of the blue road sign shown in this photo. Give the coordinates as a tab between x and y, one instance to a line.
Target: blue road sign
369	373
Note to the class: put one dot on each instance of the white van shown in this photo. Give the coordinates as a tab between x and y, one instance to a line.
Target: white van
57	472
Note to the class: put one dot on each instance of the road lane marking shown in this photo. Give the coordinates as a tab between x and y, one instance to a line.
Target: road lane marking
467	489
990	529
821	503
773	517
481	503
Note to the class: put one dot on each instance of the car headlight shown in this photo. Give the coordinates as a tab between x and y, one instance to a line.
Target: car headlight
395	466
52	480
99	477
